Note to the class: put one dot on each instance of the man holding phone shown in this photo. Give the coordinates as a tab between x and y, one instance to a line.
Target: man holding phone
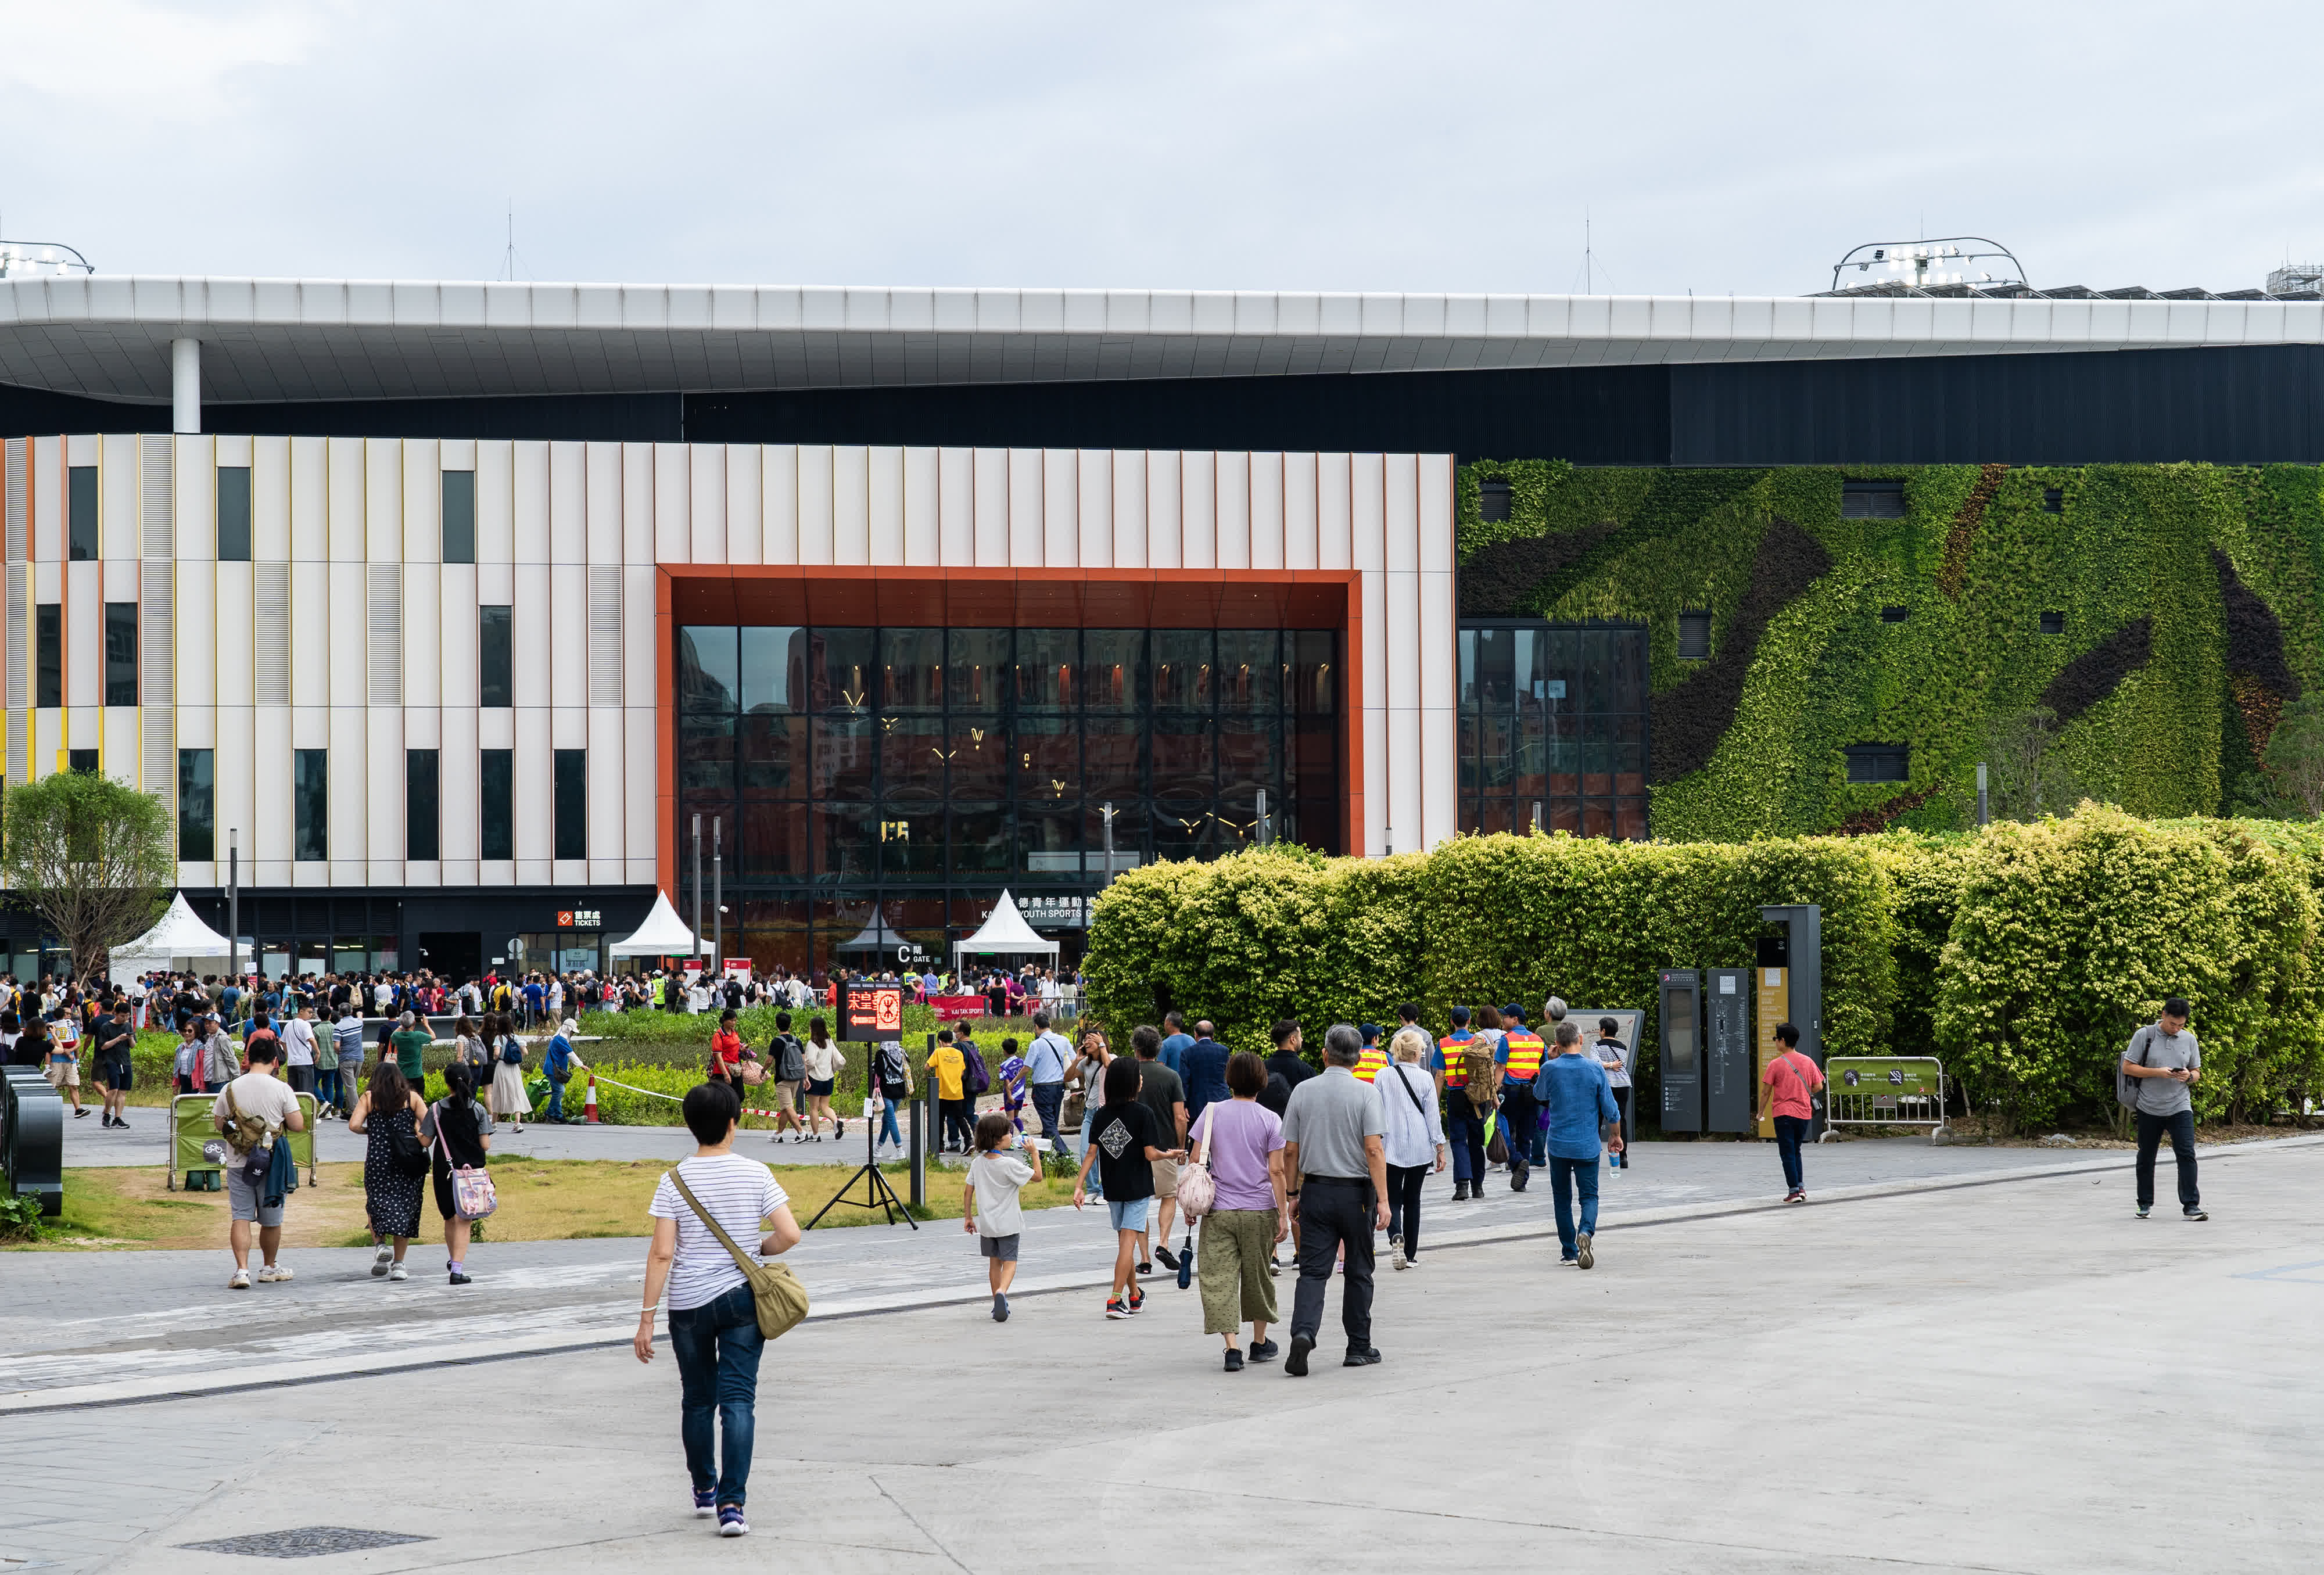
2164	1061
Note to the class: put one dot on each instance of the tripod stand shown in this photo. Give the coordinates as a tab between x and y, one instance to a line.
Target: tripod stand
877	1192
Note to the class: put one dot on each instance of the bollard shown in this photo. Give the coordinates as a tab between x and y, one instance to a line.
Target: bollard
589	1103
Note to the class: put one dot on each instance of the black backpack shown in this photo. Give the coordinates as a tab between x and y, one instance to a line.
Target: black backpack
789	1057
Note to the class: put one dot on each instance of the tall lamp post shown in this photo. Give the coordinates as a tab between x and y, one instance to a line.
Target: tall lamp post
717	898
233	903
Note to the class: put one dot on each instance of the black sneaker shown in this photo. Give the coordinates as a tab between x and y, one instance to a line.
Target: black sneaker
1169	1258
1147	1267
1460	1191
1000	1307
1296	1364
1361	1356
119	1125
1263	1351
1235	1360
2144	1209
2196	1214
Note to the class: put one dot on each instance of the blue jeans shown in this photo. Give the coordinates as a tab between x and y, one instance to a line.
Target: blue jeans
1096	1178
1791	1131
1048	1098
555	1111
888	1133
1466	1135
1564	1176
718	1347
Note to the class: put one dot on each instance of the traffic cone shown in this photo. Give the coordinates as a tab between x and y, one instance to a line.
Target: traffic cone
589	1104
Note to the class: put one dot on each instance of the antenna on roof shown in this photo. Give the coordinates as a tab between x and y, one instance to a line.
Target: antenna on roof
508	267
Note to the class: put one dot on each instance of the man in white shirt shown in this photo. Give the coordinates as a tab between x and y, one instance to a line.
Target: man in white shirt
260	1096
298	1050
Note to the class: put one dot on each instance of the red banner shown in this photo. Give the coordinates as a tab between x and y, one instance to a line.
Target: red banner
953	1009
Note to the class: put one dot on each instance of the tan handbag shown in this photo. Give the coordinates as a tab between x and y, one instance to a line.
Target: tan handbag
775	1291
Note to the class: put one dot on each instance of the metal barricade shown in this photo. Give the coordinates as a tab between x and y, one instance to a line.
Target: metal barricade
1886	1091
198	1155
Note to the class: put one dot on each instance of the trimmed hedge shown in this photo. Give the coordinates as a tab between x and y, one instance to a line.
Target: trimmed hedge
2024	954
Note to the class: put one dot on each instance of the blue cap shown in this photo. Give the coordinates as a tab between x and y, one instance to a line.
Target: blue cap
1513	1013
1368	1030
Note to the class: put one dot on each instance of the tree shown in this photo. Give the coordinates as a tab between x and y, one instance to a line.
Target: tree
91	859
2029	776
2295	756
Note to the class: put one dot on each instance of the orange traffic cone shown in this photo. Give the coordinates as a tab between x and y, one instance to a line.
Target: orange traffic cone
589	1104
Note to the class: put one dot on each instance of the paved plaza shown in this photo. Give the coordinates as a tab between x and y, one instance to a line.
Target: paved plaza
1955	1360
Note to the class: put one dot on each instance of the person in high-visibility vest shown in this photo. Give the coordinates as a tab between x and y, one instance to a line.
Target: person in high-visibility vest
1371	1057
1520	1058
1464	1119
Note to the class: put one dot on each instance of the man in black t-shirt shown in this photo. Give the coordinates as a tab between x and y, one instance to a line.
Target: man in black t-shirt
1286	1069
1164	1094
1125	1143
114	1039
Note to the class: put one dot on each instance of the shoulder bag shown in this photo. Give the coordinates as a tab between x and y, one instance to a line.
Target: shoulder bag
776	1292
2125	1087
406	1154
1397	1067
1198	1189
473	1197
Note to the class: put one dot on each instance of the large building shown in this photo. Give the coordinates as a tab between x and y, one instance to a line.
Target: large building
452	606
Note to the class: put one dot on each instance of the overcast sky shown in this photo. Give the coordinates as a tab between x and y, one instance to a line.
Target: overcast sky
1721	148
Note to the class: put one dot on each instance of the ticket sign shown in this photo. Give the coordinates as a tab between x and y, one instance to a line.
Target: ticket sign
874	1011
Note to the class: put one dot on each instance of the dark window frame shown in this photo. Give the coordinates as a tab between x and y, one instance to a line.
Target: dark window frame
197	806
571	831
1495	500
495	656
233	514
1879	762
423	819
1872	500
84	526
2052	624
48	655
121	638
1693	643
311	806
496	782
457	498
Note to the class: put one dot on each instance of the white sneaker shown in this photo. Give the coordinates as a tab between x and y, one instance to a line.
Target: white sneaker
379	1261
273	1273
1395	1248
241	1281
395	1271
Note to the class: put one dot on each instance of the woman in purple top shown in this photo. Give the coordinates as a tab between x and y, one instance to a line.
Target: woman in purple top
1242	1142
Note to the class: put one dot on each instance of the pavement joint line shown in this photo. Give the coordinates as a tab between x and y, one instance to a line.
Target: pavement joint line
140	1392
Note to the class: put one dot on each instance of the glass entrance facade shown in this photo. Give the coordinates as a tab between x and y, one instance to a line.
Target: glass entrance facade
906	775
1553	727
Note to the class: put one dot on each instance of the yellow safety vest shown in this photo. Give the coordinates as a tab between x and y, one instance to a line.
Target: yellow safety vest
1369	1064
1524	1054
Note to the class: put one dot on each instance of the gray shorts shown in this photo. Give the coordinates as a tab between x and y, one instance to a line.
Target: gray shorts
242	1198
1003	1248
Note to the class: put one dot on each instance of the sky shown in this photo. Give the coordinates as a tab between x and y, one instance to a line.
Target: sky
1440	147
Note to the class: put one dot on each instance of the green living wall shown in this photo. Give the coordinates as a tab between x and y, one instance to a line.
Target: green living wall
2024	954
2190	596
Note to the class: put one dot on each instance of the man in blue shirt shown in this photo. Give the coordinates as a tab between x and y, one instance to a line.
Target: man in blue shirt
1571	1087
1202	1068
1174	1040
1045	1069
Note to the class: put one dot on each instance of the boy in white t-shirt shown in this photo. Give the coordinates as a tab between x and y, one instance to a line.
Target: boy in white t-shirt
991	1209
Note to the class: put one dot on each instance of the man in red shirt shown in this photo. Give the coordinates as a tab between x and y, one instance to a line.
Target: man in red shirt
1787	1083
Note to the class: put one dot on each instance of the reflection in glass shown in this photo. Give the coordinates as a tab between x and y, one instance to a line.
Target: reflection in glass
978	660
844	753
1182	669
1113	669
1249	667
912	753
774	668
980	837
771	755
843	668
977	750
911	670
708	677
1045	660
1556	716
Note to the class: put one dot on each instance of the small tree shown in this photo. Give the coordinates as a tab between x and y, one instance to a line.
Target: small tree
2295	756
2029	774
90	858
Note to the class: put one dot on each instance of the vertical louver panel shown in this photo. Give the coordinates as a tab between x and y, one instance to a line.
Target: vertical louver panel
20	620
19	633
157	676
156	498
384	627
269	632
606	636
17	457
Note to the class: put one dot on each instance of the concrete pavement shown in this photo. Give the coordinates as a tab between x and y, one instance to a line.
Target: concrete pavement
2014	1377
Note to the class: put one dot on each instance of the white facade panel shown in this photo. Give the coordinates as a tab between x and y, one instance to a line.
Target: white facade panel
118	752
535	792
383	501
423	622
236	775
460	677
1025	502
345	629
310	727
639	806
922	502
884	504
195	491
1368	511
638	639
270	500
1164	521
118	532
423	501
744	497
197	727
529	494
850	506
608	786
310	500
350	829
528	634
956	506
1233	510
569	504
1335	546
637	502
423	727
779	505
1094	508
1198	511
603	464
496	728
232	633
1400	639
814	504
84	631
988	522
568	634
707	504
672	488
312	632
345	459
46	496
495	503
1130	467
382	796
1300	492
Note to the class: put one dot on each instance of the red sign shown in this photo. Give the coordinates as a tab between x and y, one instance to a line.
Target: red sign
874	1011
953	1009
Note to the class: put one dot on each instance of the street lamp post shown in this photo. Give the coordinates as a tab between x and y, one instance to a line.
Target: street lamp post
233	902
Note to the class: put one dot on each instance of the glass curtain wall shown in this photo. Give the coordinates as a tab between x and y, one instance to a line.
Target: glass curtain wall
1553	725
910	774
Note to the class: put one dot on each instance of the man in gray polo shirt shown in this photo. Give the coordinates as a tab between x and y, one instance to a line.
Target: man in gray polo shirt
2164	1061
1333	1150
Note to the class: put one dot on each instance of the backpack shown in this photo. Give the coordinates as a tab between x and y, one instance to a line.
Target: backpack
512	1051
2125	1087
789	1057
242	1133
1478	1060
974	1079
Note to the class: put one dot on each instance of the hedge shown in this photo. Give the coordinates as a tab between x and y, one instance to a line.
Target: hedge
2023	954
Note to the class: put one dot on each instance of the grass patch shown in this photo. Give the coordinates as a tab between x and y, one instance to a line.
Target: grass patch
109	1208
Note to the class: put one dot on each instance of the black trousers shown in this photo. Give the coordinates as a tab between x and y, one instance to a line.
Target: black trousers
1622	1102
1335	1214
2181	1127
1520	1119
1404	1205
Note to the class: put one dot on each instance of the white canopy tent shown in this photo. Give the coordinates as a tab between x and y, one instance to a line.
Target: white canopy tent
1005	932
180	936
663	934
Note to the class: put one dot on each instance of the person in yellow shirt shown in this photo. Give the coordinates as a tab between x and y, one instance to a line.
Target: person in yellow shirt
953	1103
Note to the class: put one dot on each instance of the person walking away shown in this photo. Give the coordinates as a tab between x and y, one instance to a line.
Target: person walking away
1088	1074
1615	1058
559	1063
387	1112
1460	1056
1787	1089
822	1058
1014	1091
509	1102
1202	1070
1161	1092
250	1113
990	1208
1174	1040
298	1060
948	1065
458	1132
1123	1146
2164	1061
787	1059
1371	1058
713	1321
1334	1151
1242	1142
1046	1059
1414	1144
1521	1056
115	1069
1571	1090
409	1043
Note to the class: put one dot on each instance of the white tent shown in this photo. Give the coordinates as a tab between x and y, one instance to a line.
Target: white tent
1004	932
180	936
663	934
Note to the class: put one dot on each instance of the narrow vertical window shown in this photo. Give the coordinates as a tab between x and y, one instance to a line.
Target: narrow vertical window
233	514
121	653
572	804
48	654
499	784
310	805
80	512
459	516
196	807
420	821
495	660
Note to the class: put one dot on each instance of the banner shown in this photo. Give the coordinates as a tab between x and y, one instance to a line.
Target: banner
953	1009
